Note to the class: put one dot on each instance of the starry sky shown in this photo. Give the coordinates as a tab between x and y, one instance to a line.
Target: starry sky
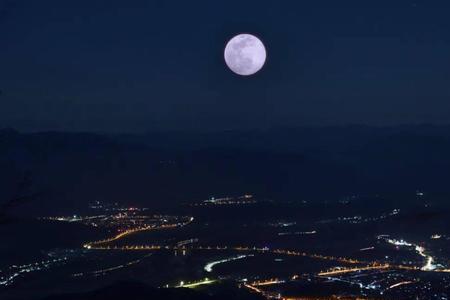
144	65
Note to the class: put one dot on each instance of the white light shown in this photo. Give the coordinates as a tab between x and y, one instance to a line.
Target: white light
245	54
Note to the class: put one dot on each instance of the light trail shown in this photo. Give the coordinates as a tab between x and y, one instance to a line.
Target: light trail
298	233
317	256
367	249
129	248
111	269
255	289
268	282
352	270
209	267
263	293
399	284
206	281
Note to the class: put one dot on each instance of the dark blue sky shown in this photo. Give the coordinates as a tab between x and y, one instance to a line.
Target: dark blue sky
157	65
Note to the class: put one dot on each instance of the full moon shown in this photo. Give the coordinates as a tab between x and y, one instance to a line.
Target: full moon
245	54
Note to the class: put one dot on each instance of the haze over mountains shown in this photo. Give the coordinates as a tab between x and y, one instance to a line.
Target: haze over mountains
163	169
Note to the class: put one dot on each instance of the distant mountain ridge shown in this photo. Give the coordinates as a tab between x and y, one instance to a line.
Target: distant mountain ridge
161	169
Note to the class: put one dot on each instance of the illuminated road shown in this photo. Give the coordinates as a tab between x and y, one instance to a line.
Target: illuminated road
209	267
98	244
349	265
13	272
399	284
192	285
111	269
363	265
341	271
429	260
367	275
268	282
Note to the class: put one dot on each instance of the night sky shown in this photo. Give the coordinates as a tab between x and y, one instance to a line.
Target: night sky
136	66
